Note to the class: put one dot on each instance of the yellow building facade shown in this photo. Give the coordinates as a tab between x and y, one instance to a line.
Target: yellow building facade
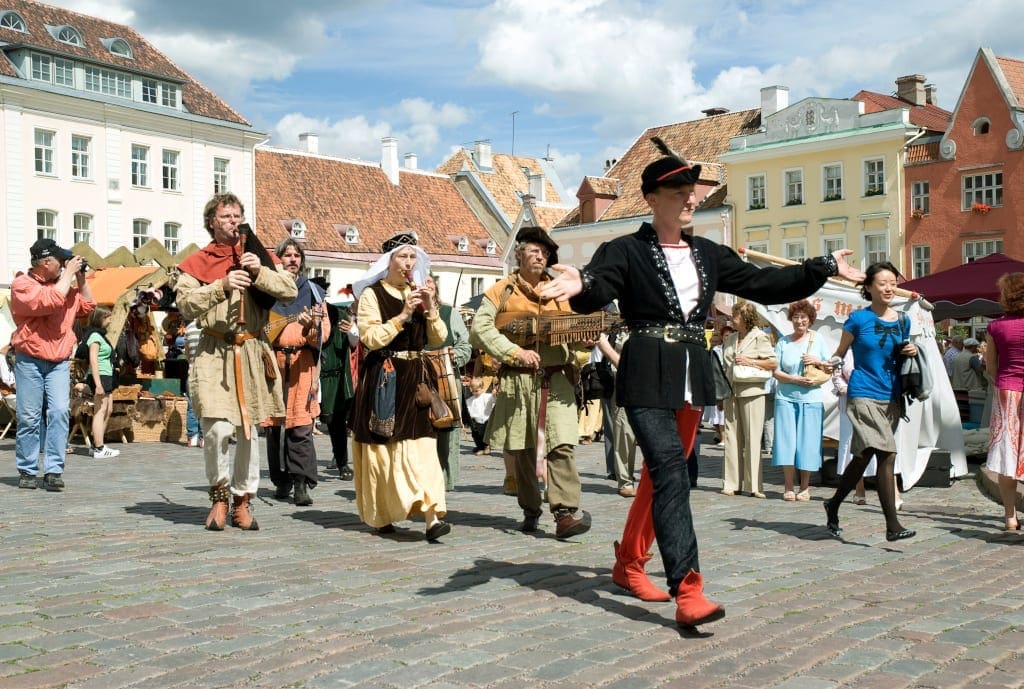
821	175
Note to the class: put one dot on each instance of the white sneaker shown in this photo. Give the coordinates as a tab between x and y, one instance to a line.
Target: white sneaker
105	453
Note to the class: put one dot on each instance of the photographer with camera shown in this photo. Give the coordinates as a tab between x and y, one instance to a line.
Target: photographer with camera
45	302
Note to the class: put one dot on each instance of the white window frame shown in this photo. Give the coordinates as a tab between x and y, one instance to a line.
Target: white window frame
476	286
13	21
760	246
83	228
68	34
757	197
792	188
794	249
172	236
168	95
832	242
298	230
41	68
63	72
920	197
45	152
140	166
324	273
921	260
170	170
121	48
221	177
874	177
352	235
875	255
986	188
140	233
81	157
46	224
108	82
973	249
150	91
837	182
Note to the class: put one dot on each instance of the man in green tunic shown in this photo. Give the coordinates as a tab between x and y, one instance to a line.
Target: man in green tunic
534	384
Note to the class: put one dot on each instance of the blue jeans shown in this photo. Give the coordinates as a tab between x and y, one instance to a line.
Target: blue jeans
42	382
192	428
658	438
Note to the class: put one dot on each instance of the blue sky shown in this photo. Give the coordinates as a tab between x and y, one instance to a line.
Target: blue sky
585	77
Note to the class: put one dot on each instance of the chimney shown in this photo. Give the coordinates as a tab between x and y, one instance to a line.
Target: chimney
711	112
773	99
389	158
911	89
931	94
482	154
309	142
536	187
410	161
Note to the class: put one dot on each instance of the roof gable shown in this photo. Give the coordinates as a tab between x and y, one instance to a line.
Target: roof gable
146	59
330	194
929	116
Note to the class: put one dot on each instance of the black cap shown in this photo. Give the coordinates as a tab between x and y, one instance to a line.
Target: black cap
535	235
45	248
400	239
668	172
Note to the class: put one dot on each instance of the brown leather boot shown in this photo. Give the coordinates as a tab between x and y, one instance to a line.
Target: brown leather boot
218	515
692	608
241	515
632	577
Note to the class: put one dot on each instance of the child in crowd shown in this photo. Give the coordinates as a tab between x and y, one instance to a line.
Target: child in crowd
479	405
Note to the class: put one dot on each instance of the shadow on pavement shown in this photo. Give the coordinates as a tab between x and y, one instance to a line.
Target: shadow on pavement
567	581
170	511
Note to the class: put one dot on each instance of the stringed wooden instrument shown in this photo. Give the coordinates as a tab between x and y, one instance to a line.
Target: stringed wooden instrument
277	323
525	328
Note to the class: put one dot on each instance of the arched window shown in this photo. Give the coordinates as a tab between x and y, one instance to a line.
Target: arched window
12	20
119	47
298	229
463	245
69	34
352	235
981	126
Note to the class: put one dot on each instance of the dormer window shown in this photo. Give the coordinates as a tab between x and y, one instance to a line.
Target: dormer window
463	245
491	247
981	126
13	21
119	47
298	229
66	34
352	235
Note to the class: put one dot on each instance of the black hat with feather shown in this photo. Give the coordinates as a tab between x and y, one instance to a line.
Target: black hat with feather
672	170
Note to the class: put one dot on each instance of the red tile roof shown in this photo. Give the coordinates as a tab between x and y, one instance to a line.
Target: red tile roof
700	141
931	117
196	98
329	194
602	186
507	182
1013	70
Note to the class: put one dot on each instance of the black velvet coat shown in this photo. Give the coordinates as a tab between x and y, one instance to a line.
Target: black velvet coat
632	268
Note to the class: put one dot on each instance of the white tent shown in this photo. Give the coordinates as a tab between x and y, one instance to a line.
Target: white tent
934	423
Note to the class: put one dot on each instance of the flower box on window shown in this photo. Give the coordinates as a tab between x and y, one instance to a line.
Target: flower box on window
833	197
756	206
874	191
917	213
794	202
981	208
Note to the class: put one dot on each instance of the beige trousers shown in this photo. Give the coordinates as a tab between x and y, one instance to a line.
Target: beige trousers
744	424
242	473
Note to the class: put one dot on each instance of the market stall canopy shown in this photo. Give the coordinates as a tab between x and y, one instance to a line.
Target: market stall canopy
110	284
968	290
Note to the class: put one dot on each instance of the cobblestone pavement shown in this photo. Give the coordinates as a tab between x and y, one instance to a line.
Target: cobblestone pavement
114	583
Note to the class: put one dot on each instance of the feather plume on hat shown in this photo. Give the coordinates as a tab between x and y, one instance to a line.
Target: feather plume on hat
672	169
665	149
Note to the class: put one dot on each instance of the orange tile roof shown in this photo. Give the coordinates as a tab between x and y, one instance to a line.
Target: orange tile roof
329	194
931	117
715	199
602	186
699	141
506	181
918	154
1013	70
196	98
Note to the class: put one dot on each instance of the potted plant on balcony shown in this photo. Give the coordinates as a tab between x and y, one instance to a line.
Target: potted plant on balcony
981	208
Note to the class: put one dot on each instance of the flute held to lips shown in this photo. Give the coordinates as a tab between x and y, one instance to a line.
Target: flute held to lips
413	287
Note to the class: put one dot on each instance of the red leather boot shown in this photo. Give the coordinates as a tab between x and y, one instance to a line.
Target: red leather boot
633	553
692	608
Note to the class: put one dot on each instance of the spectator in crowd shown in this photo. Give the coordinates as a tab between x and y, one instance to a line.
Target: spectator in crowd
337	384
955	347
968	376
100	377
193	431
479	407
714	414
45	302
229	292
799	407
394	445
749	361
877	335
1005	366
623	440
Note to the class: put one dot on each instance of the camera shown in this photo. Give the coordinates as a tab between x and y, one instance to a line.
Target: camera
84	267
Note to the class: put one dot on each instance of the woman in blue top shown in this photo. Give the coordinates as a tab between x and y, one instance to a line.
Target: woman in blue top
799	411
101	379
877	335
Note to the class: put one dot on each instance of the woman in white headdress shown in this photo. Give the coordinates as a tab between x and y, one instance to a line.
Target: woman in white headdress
394	447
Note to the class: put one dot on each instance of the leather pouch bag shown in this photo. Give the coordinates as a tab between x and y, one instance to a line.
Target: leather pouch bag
269	365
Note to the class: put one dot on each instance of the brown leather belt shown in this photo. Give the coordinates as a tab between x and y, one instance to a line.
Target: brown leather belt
235	340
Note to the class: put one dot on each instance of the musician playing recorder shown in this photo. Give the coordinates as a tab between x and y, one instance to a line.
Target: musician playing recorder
305	329
229	286
534	417
665	279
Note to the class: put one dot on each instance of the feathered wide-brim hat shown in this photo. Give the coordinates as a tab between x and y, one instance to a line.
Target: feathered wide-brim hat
536	235
672	170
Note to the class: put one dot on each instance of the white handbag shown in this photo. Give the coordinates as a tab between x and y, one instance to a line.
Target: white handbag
741	373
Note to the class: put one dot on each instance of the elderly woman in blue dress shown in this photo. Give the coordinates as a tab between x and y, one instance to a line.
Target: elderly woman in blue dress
799	408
